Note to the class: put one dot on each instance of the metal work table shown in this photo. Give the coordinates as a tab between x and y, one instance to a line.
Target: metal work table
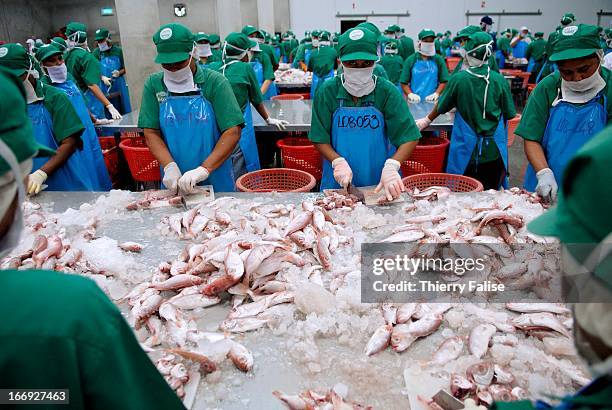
297	112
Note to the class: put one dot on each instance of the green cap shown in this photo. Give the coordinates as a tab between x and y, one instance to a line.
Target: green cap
201	36
14	58
250	30
325	36
240	41
315	33
16	127
465	32
426	32
46	51
475	40
79	29
575	42
582	214
174	43
393	28
358	44
568	18
514	32
539	34
439	35
214	39
372	27
102	34
60	43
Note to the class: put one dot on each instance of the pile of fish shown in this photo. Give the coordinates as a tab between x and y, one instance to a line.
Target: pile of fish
293	76
333	399
295	268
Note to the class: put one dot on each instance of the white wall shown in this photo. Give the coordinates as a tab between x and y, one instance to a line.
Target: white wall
22	19
441	15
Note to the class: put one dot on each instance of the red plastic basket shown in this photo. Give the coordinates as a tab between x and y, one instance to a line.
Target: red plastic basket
110	152
512	124
130	134
414	168
276	179
300	153
306	96
451	63
143	165
431	152
456	183
288	97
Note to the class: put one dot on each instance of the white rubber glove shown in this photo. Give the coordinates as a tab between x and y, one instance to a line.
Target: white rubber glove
413	98
113	112
102	121
115	73
547	185
36	181
432	97
191	178
391	180
343	174
106	81
423	123
280	124
172	174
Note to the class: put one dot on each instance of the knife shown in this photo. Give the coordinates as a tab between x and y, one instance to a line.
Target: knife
352	190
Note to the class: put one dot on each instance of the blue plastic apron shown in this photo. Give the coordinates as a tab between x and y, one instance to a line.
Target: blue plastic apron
91	145
569	127
190	131
531	64
424	79
520	49
316	81
93	104
277	52
501	59
110	64
74	175
464	141
258	68
307	56
358	135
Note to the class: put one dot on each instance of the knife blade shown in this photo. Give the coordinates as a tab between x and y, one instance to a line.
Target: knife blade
352	190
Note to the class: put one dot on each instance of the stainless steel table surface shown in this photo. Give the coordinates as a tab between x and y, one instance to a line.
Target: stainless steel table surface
297	112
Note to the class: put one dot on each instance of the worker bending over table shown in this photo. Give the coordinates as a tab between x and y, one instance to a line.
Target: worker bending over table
190	116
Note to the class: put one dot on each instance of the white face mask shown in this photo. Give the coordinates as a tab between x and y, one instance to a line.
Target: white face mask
391	51
475	62
582	91
258	40
390	35
103	46
358	81
11	239
427	49
180	81
57	73
315	42
324	43
203	50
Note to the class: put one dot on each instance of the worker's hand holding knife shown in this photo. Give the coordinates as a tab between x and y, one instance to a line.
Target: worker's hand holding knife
343	174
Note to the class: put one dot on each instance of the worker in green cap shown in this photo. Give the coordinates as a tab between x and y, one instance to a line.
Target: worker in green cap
446	43
260	37
548	66
406	47
461	38
479	142
301	54
86	70
438	44
536	54
566	109
190	116
392	62
358	106
379	70
424	75
236	68
82	344
56	75
504	50
60	43
275	43
56	125
323	62
582	223
262	62
215	48
288	44
203	49
111	61
568	19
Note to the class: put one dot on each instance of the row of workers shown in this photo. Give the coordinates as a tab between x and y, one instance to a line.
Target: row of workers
87	331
